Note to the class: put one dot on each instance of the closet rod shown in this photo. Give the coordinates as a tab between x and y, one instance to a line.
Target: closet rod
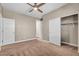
69	23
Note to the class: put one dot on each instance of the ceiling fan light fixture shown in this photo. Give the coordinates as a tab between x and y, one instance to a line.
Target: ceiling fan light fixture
35	8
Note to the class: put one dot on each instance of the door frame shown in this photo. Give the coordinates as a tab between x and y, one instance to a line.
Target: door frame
58	18
3	30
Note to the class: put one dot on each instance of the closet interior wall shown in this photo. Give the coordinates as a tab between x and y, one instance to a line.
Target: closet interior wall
69	30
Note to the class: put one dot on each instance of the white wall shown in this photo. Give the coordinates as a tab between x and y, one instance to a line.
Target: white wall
25	26
69	9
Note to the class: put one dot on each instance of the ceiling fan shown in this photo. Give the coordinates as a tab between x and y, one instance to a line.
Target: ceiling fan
36	7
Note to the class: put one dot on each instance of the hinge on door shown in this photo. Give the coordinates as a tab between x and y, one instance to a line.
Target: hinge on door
2	41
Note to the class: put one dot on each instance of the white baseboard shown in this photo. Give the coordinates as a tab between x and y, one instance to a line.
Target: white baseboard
21	41
49	42
70	44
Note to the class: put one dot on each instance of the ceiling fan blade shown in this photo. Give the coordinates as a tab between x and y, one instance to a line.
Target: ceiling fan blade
40	4
30	4
40	10
31	10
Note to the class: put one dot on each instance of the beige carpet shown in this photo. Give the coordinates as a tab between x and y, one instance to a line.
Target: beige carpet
36	48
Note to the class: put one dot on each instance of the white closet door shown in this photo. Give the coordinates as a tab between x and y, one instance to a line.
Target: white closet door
9	31
55	31
0	31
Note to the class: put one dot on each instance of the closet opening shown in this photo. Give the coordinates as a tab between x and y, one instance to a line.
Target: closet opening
69	32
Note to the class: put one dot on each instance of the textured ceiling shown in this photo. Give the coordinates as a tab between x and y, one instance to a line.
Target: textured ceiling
24	8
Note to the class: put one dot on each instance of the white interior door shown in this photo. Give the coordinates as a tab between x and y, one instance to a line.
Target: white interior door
55	31
38	28
0	31
9	31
